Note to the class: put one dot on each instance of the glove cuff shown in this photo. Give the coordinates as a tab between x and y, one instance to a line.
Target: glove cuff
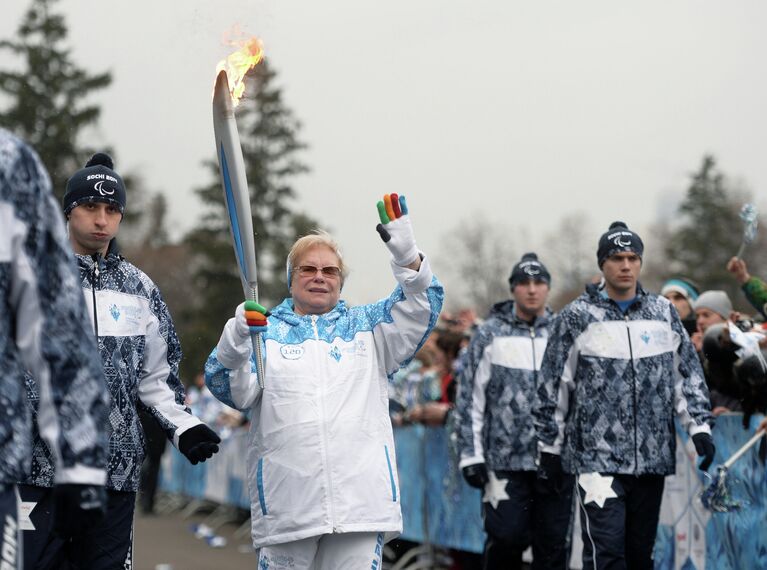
406	258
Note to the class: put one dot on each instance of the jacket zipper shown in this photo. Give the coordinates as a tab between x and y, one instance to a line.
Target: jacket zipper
96	282
326	438
634	393
535	369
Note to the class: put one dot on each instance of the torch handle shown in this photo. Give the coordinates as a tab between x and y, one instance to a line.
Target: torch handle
748	445
742	249
256	340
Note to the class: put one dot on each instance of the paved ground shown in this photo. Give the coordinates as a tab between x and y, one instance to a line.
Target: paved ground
167	539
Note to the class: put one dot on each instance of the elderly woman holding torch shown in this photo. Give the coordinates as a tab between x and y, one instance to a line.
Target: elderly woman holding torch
321	466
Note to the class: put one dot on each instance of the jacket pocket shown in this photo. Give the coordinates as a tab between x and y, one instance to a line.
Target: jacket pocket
260	485
391	475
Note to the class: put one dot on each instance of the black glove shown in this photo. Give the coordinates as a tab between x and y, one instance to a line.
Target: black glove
550	471
198	443
77	508
476	475
704	447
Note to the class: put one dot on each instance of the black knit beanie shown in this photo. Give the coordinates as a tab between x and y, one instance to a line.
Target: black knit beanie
97	182
529	268
617	239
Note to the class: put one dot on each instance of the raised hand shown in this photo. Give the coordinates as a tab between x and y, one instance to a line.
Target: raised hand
396	230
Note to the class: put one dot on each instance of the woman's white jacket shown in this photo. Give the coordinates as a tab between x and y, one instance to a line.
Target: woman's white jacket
321	450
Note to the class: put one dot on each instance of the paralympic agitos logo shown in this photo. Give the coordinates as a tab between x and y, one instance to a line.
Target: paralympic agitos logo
531	268
99	186
621	239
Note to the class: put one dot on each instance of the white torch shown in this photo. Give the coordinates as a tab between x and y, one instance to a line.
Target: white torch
232	169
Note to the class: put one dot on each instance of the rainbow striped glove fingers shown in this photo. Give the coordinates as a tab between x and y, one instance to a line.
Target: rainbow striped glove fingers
395	229
255	317
250	318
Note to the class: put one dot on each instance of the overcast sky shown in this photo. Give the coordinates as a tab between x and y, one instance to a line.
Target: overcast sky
519	111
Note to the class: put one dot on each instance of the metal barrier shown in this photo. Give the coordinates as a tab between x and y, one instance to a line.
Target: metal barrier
441	511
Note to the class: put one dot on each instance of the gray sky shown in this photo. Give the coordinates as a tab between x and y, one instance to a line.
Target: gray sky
518	111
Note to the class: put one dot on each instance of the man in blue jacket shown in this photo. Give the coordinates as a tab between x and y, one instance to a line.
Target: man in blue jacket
43	329
618	368
496	436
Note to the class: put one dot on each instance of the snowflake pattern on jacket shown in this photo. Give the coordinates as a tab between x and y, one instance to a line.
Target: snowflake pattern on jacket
611	384
497	390
42	326
132	316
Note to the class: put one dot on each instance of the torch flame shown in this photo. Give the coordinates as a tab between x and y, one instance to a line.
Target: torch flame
238	63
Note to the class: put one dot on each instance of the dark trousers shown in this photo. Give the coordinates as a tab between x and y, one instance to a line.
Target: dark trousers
533	514
108	546
10	537
621	534
156	441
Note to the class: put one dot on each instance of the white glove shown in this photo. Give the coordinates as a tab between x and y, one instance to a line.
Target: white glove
235	346
241	329
396	230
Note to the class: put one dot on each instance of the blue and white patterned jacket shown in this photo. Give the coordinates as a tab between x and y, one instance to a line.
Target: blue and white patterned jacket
321	452
43	329
497	391
140	353
612	384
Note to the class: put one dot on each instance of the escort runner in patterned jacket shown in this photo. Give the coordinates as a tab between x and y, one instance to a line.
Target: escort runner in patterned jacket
496	438
618	368
321	461
140	354
42	328
497	390
614	384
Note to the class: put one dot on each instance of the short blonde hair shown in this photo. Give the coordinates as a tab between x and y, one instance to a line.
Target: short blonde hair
318	238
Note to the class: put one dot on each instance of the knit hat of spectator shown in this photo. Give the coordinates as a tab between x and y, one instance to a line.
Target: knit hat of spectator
529	268
97	182
681	286
616	239
716	301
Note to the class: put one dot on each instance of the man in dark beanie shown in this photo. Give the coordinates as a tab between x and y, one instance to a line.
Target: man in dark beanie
618	367
140	354
497	438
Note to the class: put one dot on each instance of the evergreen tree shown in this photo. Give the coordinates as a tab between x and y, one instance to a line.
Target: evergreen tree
709	231
47	95
270	144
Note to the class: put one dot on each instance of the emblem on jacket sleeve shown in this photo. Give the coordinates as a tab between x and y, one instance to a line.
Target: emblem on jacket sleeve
114	311
335	354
